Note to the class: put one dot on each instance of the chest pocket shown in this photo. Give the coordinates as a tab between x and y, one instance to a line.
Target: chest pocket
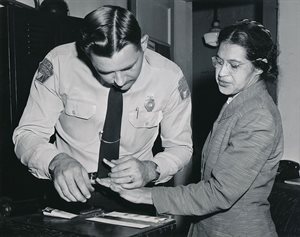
145	119
80	109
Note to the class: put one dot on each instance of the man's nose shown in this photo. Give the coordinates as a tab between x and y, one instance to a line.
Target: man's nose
119	79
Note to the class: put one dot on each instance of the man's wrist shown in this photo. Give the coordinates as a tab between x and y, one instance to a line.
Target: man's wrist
157	173
152	170
53	163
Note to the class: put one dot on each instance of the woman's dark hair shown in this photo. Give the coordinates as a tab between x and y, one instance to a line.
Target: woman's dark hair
107	30
257	41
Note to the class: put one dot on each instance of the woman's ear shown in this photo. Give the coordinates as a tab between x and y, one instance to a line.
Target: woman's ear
144	42
258	71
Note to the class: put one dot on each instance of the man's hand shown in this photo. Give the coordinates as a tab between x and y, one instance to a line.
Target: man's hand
140	195
132	173
70	178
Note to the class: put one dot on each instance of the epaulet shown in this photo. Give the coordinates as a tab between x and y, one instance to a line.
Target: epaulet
64	49
45	69
156	60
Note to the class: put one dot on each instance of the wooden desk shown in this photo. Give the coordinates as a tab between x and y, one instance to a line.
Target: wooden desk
39	225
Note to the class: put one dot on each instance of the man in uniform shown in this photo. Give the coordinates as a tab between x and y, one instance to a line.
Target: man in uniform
69	98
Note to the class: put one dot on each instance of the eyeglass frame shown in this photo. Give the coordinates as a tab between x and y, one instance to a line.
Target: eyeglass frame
232	69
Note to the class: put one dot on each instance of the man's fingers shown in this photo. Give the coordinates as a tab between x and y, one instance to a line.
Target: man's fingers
119	174
87	181
63	190
123	180
58	189
109	163
75	187
121	167
70	178
82	186
121	160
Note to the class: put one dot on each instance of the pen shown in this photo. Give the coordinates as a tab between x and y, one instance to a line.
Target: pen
137	112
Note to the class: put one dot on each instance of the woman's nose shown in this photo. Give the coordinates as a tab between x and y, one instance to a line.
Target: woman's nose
224	70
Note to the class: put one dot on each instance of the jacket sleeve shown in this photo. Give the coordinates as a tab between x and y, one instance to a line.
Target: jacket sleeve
250	145
176	133
31	137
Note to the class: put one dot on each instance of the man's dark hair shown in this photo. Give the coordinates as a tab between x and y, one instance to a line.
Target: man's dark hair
109	29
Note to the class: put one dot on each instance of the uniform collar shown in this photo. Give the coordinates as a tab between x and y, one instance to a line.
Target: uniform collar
143	77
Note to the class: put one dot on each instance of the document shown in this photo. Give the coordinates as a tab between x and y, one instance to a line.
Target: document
295	181
118	222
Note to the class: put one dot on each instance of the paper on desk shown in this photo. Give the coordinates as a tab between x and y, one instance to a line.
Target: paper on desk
131	216
48	211
295	181
118	222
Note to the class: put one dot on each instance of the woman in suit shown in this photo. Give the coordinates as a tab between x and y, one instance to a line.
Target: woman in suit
241	154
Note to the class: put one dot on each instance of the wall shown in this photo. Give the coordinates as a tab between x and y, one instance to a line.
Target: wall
289	81
27	2
183	38
207	100
79	8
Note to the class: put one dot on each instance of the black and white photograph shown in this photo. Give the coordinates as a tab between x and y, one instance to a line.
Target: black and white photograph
147	118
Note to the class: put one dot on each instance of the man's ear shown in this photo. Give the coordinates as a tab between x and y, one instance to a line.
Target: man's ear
144	42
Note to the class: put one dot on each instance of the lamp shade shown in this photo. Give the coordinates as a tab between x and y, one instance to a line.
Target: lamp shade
211	38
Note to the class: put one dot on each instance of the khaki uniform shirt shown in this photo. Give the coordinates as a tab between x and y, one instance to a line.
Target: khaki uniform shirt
67	99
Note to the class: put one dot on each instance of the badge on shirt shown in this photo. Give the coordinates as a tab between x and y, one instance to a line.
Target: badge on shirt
149	103
183	88
45	70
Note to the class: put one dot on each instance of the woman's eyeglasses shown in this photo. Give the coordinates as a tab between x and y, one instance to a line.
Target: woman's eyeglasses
232	66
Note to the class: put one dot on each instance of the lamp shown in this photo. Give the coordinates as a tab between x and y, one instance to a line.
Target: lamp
58	7
211	38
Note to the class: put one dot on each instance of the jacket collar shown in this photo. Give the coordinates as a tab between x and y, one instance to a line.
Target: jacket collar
253	91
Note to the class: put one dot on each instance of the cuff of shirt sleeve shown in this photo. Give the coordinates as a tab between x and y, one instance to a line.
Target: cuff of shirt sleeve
163	176
40	169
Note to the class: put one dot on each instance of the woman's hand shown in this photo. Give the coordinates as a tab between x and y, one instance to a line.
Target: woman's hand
140	195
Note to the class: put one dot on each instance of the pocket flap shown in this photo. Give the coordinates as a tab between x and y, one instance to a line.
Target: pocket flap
145	119
80	109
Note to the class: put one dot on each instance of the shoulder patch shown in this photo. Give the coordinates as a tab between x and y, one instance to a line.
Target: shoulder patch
183	89
45	70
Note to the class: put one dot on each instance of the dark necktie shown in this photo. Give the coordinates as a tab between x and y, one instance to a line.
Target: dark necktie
110	140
